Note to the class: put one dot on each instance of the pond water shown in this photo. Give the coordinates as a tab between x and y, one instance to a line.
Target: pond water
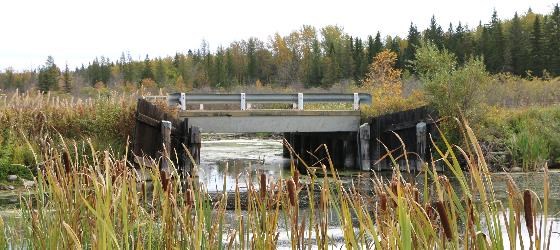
230	158
246	155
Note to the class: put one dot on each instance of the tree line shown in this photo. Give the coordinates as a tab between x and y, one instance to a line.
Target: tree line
525	45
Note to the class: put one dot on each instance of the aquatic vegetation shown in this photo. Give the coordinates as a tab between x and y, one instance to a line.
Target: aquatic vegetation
102	202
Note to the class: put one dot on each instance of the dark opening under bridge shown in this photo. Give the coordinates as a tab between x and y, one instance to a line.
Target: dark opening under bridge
351	143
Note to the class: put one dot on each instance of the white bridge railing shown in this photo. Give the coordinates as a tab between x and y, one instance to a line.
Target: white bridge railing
244	99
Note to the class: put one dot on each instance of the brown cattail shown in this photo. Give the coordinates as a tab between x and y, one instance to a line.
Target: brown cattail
383	202
416	194
189	197
440	207
66	161
528	204
429	211
263	186
292	192
164	180
394	186
296	178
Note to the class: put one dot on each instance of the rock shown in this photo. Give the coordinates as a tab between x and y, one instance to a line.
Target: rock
10	187
12	177
28	183
3	187
516	169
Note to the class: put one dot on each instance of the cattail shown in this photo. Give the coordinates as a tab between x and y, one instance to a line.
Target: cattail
429	211
416	194
263	185
394	186
164	180
189	197
383	201
296	178
292	192
440	207
528	204
66	161
323	198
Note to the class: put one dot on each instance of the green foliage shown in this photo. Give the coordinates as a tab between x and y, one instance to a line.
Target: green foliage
48	75
451	90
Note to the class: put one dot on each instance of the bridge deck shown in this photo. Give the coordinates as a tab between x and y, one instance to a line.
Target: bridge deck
277	121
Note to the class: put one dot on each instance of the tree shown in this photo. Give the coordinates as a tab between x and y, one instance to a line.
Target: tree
517	46
495	52
251	60
315	74
434	33
554	41
48	75
67	80
374	47
413	39
360	64
537	53
148	72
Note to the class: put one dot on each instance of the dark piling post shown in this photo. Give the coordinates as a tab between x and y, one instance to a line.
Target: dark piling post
166	142
421	143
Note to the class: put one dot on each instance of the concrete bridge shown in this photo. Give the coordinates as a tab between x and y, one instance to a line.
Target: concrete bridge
350	144
248	120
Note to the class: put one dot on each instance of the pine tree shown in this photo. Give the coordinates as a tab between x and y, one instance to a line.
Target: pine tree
434	33
67	80
413	43
374	47
537	55
48	75
517	47
315	74
148	72
359	62
251	60
553	41
495	52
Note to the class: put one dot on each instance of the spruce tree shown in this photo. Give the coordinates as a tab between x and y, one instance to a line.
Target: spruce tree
410	52
517	47
148	72
553	33
67	80
48	75
495	52
537	55
434	33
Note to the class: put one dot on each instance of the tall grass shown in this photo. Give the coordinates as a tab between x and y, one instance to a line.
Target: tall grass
102	202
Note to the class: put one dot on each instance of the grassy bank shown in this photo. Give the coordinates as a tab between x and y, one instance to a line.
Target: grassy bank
101	202
28	119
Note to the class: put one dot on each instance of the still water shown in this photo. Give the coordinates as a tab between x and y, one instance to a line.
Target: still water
244	156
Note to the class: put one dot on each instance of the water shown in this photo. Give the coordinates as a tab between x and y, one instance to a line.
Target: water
252	156
244	156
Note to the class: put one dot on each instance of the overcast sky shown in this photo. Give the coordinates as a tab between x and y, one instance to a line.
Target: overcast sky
76	31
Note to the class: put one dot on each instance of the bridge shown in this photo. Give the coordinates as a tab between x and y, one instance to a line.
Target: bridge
248	120
350	143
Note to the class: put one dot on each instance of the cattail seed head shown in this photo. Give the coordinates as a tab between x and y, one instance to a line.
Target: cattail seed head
189	197
528	205
440	207
66	161
296	178
164	180
383	201
263	186
292	192
416	194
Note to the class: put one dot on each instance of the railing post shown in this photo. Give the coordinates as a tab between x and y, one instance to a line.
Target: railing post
356	104
300	101
183	101
201	106
243	103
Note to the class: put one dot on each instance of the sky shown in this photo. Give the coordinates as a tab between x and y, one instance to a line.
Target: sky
74	32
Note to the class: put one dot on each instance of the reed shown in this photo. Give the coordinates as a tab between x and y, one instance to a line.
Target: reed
102	202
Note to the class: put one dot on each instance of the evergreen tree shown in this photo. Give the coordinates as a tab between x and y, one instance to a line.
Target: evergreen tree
434	33
315	74
48	75
413	43
537	55
67	80
374	47
251	60
360	65
148	72
554	42
495	52
517	47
